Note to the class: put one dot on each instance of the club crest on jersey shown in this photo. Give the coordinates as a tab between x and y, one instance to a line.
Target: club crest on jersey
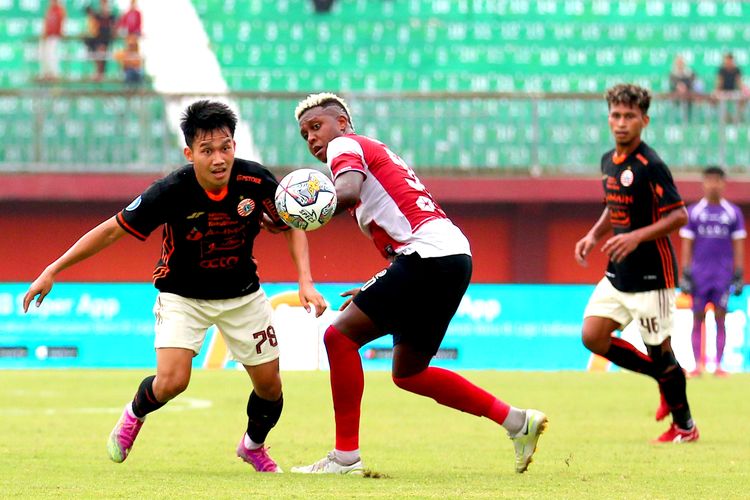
627	177
246	207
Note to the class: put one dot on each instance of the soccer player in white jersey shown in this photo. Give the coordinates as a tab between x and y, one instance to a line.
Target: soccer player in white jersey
413	299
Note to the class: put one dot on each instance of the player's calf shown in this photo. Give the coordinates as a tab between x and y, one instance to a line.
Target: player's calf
262	416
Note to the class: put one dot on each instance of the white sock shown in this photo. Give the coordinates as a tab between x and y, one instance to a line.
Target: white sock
346	457
250	444
515	421
129	409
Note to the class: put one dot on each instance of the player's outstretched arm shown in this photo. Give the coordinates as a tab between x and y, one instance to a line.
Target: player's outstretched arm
596	233
299	250
90	243
348	189
620	246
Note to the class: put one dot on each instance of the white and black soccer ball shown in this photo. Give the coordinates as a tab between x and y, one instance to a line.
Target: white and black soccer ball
305	199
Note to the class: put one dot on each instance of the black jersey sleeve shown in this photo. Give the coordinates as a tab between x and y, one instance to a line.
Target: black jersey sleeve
662	184
145	213
268	196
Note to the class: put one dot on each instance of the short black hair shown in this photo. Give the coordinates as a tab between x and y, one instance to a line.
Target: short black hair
714	170
206	116
629	95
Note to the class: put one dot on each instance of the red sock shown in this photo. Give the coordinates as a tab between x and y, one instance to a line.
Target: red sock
451	389
347	386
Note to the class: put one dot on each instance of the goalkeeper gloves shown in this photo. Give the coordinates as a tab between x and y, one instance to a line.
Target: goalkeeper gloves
686	283
737	282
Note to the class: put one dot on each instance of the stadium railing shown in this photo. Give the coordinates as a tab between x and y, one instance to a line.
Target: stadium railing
128	130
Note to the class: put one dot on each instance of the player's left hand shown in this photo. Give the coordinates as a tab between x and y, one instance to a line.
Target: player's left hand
737	282
620	246
309	295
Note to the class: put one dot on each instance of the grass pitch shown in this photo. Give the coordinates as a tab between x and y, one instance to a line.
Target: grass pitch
54	424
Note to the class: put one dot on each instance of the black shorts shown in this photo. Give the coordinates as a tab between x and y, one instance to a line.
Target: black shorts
416	298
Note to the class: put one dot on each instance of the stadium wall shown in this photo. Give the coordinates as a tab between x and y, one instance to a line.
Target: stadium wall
522	230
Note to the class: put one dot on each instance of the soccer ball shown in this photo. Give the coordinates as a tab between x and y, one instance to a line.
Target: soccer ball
305	199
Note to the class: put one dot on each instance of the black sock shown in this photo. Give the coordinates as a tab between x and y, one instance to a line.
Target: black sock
262	416
673	385
144	401
625	355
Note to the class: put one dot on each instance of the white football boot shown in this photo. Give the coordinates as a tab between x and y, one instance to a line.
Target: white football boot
329	465
525	440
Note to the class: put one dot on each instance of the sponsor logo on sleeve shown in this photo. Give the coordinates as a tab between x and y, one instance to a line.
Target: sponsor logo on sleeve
133	204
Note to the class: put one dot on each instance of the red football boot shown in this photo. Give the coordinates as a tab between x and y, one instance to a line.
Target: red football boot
676	435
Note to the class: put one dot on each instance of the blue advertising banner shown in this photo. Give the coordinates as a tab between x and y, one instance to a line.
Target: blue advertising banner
508	327
511	327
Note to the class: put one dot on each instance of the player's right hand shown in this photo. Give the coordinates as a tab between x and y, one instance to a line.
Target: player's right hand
686	282
351	294
583	248
41	287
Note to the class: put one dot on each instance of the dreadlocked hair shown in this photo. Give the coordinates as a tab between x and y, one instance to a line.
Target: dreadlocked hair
324	100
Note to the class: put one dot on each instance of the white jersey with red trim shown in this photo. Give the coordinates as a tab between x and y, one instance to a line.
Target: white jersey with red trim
395	210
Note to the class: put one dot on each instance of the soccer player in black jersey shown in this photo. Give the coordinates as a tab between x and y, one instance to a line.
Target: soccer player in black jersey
642	208
211	211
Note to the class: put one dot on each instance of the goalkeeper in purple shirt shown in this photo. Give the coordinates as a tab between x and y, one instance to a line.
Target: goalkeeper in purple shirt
712	257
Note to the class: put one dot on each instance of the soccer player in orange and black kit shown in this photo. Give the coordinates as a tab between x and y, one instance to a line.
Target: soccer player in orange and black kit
642	208
211	211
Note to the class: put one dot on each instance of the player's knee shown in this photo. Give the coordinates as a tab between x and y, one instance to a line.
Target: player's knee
399	381
405	381
169	386
329	336
334	339
595	342
664	359
269	390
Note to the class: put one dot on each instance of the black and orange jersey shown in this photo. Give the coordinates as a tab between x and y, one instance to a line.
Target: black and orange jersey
207	249
638	191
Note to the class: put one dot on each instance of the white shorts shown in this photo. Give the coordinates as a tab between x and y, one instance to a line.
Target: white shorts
654	310
244	322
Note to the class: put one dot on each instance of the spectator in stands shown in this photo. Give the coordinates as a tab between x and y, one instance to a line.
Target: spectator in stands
105	21
322	6
729	84
131	61
131	20
52	31
92	32
682	85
